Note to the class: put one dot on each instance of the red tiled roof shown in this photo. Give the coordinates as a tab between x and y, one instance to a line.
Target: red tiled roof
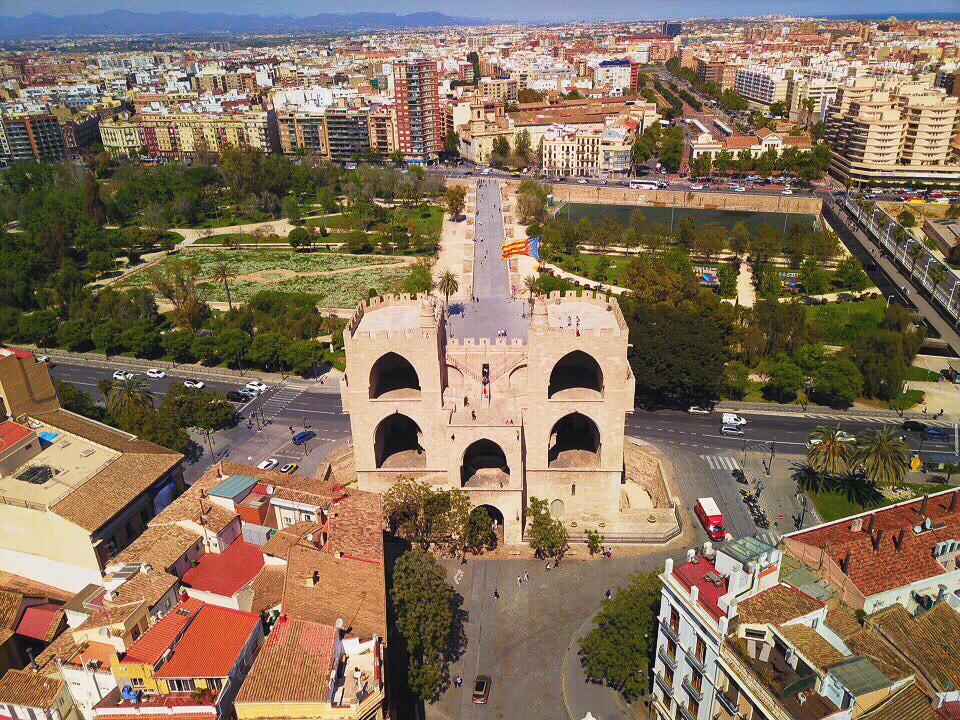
226	572
11	433
151	646
692	575
873	571
36	620
211	643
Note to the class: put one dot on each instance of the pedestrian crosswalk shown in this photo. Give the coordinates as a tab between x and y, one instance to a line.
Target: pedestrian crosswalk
274	404
834	418
720	462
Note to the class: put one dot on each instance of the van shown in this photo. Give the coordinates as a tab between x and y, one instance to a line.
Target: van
711	518
732	419
301	437
733	430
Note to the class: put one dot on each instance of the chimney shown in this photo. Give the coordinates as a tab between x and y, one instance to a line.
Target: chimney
845	563
923	505
691	554
898	540
875	540
953	500
870	523
856	525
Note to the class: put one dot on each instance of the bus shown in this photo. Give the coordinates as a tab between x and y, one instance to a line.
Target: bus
642	185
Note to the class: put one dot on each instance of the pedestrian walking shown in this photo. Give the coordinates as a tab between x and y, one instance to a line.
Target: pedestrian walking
608	593
458	681
496	594
519	581
549	567
526	576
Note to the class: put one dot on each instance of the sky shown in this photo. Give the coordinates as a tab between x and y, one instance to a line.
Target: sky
522	10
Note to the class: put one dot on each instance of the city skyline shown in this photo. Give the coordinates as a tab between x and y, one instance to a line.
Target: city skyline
520	10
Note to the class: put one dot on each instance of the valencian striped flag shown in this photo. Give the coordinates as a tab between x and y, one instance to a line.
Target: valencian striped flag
527	246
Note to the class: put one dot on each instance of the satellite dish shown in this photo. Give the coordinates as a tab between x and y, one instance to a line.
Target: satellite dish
917	529
339	624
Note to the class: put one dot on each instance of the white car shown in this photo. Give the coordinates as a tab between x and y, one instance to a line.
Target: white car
122	375
485	171
787	191
581	181
43	358
841	436
697	410
195	384
739	189
696	187
256	386
268	464
156	373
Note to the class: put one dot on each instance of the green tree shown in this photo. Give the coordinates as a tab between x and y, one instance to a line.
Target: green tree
736	380
178	344
39	328
907	219
77	401
232	345
838	382
448	284
142	339
106	336
727	277
267	350
451	144
501	146
617	650
225	272
671	149
883	456
784	381
424	603
849	275
303	356
298	238
480	535
74	335
126	397
290	209
455	199
521	145
740	238
686	231
427	517
93	206
548	537
880	357
828	453
205	349
594	541
815	280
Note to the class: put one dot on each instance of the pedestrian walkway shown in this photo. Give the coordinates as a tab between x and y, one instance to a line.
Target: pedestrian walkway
720	462
278	400
746	292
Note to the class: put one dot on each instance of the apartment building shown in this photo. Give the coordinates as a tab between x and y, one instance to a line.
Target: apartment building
883	129
383	131
537	118
348	132
831	622
302	131
718	72
809	97
601	151
761	85
416	88
498	89
614	74
73	492
30	131
178	134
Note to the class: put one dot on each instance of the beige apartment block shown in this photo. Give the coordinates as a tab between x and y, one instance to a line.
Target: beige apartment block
505	419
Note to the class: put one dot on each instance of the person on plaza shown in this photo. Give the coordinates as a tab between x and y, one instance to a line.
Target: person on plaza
496	594
526	576
519	581
608	593
458	681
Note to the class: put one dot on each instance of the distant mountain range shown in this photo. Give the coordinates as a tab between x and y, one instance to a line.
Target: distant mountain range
124	22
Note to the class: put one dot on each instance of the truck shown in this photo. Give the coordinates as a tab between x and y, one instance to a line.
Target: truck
710	516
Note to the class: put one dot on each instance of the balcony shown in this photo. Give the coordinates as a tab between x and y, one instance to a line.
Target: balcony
691	690
663	684
684	713
669	631
728	703
670	662
696	663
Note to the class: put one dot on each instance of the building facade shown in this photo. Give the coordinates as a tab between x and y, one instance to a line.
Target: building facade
417	104
30	133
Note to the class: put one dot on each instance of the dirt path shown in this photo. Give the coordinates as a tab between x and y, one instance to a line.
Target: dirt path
280	274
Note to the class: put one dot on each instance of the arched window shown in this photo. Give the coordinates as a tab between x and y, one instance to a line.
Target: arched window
575	376
574	443
393	377
484	465
396	443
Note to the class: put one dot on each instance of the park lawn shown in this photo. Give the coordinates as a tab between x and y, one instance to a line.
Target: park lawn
833	505
919	374
228	219
407	216
842	323
341	221
618	263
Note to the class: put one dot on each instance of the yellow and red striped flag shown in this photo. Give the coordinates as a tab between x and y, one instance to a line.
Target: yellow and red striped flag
514	247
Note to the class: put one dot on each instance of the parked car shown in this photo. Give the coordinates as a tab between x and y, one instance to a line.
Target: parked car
290	468
739	189
235	396
156	373
914	426
786	191
933	433
256	386
195	384
696	187
481	689
122	375
268	464
43	359
301	437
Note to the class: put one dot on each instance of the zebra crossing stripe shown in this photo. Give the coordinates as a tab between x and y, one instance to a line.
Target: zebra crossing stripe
720	462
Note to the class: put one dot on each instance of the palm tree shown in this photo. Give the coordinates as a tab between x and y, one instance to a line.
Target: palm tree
448	284
530	285
883	455
129	395
915	252
224	273
937	276
827	452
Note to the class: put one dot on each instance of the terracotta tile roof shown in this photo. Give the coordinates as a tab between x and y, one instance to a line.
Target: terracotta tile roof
741	142
109	616
909	704
281	541
797	141
843	622
191	506
102	496
99	433
777	605
149	587
293	665
161	547
226	572
211	644
764	132
928	641
887	568
10	603
40	621
811	645
151	646
267	588
346	588
60	649
356	526
30	689
11	433
297	488
867	643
